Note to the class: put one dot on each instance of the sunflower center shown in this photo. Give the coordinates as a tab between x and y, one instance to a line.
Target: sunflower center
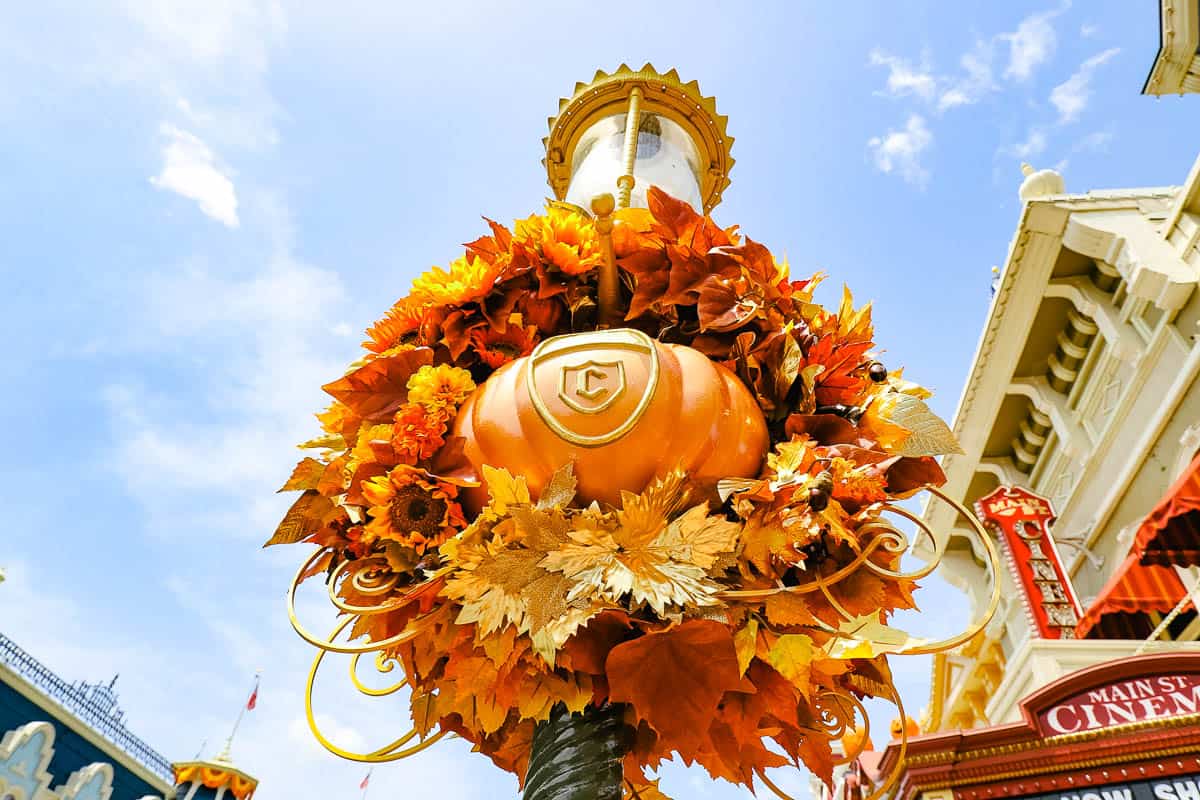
505	349
413	510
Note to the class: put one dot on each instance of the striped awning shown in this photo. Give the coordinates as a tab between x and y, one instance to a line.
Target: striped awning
1122	609
1170	534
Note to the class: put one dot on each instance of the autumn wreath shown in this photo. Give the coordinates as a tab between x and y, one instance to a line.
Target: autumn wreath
721	616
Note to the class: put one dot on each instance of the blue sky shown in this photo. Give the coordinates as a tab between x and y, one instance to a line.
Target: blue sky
205	202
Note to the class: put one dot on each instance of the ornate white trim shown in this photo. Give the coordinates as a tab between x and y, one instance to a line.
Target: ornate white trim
25	755
93	782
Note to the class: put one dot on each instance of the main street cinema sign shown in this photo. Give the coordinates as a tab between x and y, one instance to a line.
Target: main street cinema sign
1123	730
1136	700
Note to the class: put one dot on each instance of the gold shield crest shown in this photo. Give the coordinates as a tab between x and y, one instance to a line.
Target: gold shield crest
591	388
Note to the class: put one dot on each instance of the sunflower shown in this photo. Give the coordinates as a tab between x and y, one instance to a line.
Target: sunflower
440	387
497	349
469	278
401	319
418	432
411	507
567	240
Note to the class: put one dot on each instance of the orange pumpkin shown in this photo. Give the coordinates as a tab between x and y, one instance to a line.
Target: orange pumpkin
621	406
908	727
856	740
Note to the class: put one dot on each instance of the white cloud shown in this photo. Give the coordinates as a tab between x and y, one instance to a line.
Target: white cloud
900	151
1088	30
1032	43
1034	145
1094	142
190	169
904	78
235	438
1072	95
974	83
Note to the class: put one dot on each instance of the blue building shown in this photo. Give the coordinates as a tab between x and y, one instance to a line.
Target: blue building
68	741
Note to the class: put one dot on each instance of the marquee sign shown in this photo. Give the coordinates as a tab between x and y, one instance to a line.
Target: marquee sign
1127	729
1023	518
1124	702
1180	787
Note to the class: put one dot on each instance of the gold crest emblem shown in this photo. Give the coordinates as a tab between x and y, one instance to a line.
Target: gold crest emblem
592	388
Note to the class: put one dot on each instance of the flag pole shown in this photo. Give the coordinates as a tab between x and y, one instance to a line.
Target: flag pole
226	751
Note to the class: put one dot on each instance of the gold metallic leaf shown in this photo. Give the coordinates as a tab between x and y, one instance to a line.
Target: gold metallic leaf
929	435
560	491
307	515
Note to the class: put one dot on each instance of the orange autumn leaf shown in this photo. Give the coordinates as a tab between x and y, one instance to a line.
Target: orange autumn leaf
674	679
643	790
308	514
306	475
377	389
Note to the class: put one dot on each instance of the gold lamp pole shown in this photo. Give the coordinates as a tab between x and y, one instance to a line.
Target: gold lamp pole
632	119
593	149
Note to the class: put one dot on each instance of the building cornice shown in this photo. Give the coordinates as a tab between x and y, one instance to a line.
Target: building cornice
64	717
1176	67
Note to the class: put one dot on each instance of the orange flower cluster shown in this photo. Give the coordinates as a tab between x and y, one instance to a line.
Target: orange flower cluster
721	623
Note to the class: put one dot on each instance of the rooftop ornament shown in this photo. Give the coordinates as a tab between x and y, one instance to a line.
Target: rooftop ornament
613	489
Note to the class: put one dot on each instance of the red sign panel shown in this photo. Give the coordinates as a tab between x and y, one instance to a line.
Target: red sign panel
1121	703
1023	518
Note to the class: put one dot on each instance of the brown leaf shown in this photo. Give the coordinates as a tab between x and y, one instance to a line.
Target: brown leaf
675	679
910	474
306	475
827	429
376	389
307	515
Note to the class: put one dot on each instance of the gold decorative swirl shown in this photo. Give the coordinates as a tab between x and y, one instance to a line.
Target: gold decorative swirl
893	776
390	751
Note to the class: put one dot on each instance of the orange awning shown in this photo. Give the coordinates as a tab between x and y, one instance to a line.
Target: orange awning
1170	534
1121	610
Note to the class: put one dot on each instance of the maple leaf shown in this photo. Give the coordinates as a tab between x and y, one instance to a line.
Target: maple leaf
378	388
763	541
668	569
675	679
539	693
491	593
792	655
504	489
545	599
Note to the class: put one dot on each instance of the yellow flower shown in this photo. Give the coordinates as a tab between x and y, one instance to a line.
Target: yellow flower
469	278
440	387
411	507
401	319
567	240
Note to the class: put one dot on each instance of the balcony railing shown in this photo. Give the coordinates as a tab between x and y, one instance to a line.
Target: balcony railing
92	704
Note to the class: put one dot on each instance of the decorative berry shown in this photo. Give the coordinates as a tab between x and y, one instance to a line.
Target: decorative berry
817	499
877	372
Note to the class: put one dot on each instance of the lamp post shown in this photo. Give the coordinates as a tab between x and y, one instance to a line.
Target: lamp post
620	133
591	487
